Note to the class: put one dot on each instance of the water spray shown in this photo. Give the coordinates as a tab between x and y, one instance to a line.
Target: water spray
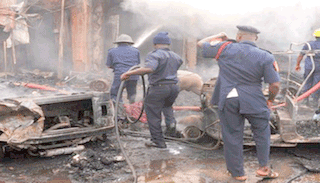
147	33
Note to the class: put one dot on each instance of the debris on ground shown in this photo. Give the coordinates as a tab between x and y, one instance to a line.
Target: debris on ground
308	128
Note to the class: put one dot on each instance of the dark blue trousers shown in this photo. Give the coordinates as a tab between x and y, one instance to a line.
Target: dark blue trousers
232	123
170	121
158	98
129	85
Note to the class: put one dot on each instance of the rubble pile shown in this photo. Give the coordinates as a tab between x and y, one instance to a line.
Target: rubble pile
38	83
100	161
36	76
26	83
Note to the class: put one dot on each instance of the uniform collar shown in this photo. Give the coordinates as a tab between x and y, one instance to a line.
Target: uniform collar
123	45
249	42
166	49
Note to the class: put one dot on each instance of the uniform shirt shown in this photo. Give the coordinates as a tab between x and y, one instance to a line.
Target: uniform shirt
315	45
122	58
242	66
165	64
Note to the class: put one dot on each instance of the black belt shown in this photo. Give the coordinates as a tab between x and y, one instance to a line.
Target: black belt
163	84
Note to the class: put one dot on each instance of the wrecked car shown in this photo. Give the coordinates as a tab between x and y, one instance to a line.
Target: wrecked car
56	124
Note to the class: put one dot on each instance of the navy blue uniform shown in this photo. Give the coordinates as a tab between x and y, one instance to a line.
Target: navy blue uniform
163	89
243	67
315	77
121	59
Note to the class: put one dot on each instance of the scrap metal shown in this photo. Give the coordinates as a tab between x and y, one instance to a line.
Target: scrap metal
52	125
20	120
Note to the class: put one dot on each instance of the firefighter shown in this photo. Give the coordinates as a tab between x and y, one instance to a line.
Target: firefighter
238	94
315	77
161	65
121	59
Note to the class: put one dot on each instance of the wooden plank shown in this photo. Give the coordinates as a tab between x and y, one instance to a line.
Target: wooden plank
61	33
79	18
96	36
191	52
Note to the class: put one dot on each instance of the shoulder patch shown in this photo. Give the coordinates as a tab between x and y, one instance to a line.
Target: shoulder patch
276	66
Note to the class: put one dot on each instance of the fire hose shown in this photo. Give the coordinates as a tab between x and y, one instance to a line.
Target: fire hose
41	87
301	97
119	95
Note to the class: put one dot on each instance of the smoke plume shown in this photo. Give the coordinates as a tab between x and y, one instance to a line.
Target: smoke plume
280	22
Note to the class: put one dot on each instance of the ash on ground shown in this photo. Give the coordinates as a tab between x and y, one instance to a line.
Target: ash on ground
308	128
100	162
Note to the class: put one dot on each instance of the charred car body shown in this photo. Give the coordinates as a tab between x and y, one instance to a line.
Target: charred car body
53	125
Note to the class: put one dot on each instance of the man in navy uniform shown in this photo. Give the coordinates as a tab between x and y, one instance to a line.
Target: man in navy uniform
315	77
121	59
238	94
161	65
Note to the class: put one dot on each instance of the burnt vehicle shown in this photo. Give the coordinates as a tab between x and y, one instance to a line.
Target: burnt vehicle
56	124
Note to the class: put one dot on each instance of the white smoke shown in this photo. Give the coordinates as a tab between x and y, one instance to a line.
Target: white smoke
280	22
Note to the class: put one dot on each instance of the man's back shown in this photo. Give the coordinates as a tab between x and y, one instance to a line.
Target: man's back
243	63
165	64
243	66
239	96
123	58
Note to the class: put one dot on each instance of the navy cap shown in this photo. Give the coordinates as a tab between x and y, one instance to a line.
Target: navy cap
247	28
162	38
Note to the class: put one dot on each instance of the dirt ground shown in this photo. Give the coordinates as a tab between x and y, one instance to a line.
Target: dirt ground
178	163
102	161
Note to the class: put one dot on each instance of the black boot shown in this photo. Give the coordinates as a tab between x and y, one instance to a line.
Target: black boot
172	132
156	144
